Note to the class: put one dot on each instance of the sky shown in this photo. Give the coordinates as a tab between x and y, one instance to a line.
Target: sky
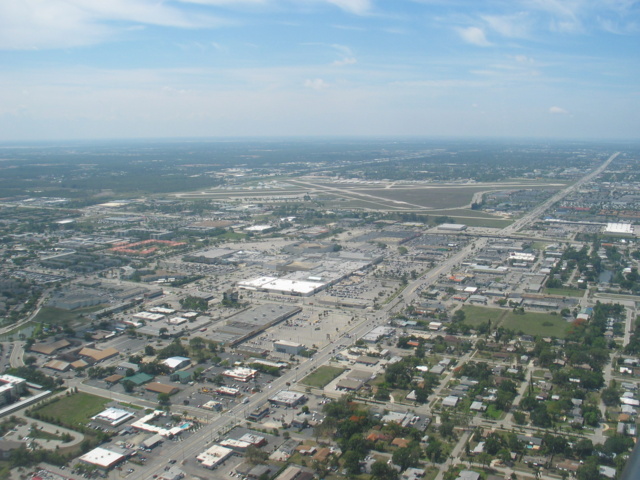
83	69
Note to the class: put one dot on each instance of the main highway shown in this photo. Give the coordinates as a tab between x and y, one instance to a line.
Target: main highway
186	450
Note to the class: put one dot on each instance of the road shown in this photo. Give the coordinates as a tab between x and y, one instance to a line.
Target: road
540	209
189	448
17	355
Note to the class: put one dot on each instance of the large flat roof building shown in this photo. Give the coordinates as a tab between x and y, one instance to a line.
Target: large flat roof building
102	458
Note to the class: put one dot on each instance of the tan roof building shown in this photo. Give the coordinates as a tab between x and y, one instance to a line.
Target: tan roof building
49	348
113	378
58	365
79	364
161	388
98	355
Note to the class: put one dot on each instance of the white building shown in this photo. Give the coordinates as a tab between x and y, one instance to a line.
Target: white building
290	348
102	458
113	416
214	456
11	388
241	374
287	398
176	363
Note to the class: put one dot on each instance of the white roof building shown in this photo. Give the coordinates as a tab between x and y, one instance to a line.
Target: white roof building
450	401
102	458
619	228
241	374
175	363
214	456
113	416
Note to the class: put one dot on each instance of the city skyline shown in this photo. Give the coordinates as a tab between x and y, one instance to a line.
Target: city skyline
223	68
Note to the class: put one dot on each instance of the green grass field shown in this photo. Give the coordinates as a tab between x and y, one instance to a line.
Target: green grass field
531	323
322	376
538	324
475	316
74	409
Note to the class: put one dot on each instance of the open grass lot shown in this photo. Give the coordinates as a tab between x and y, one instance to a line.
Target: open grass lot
475	316
74	409
322	376
564	292
531	323
541	324
59	316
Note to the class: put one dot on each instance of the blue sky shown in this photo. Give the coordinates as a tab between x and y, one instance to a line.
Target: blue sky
217	68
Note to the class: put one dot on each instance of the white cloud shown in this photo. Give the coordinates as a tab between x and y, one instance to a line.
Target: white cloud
523	59
359	7
511	26
558	111
47	24
345	61
474	36
316	84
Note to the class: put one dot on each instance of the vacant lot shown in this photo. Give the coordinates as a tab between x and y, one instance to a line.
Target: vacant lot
530	323
59	316
74	409
539	324
475	316
322	376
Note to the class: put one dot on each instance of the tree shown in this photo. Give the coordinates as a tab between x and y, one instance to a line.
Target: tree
610	396
434	451
484	458
164	398
380	470
351	462
446	428
149	350
406	457
128	385
255	456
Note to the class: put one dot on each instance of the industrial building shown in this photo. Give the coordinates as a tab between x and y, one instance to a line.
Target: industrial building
290	348
249	323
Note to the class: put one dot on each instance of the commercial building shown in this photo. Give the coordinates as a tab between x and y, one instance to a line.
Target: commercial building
49	348
241	374
214	456
249	323
113	416
176	363
287	398
288	347
102	458
161	388
96	356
